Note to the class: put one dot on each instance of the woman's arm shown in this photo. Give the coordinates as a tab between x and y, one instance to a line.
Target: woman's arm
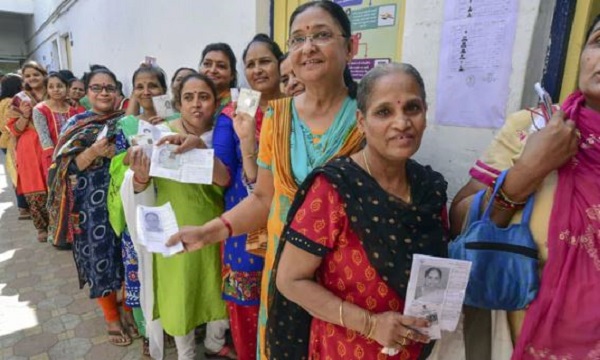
41	126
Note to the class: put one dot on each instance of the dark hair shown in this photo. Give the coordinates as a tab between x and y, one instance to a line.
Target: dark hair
33	65
225	49
592	26
66	74
57	75
11	85
202	77
153	70
341	18
365	88
71	81
428	271
283	57
97	70
265	39
180	70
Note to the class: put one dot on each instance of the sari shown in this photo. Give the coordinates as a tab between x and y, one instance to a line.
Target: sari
242	271
366	238
276	154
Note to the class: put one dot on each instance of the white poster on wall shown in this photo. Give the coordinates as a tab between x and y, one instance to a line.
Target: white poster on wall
475	62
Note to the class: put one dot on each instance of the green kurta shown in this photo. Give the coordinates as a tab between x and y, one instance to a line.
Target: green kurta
187	287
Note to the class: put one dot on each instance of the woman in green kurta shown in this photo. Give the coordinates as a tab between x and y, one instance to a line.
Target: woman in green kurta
187	286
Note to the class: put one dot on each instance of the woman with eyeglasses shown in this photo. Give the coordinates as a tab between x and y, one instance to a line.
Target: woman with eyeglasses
31	173
297	135
79	180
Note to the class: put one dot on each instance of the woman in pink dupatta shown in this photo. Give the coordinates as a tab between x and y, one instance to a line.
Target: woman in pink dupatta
560	164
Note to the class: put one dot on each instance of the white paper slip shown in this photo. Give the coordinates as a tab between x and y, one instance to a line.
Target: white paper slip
235	94
192	167
248	101
150	60
436	291
155	225
102	134
163	106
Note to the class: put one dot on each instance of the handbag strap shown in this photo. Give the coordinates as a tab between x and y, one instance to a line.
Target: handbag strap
527	211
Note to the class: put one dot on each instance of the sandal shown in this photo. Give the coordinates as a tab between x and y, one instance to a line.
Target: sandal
118	338
24	214
146	348
133	332
226	353
42	236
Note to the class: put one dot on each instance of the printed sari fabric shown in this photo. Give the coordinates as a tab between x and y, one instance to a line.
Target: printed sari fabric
275	155
366	238
79	204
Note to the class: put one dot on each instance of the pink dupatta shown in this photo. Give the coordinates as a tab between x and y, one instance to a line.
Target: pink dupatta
563	322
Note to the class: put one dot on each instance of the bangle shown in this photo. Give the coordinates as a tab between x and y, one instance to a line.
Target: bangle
227	225
137	180
342	314
367	317
372	329
251	156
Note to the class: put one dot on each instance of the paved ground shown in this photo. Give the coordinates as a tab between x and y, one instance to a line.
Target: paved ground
43	314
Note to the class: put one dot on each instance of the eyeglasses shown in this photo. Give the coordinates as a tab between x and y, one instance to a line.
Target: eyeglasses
97	89
320	39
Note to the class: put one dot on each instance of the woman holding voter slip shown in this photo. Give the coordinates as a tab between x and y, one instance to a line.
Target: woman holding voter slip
236	144
557	161
148	81
297	135
31	172
187	287
79	182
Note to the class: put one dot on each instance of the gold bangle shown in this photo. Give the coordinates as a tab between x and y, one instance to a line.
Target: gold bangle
251	156
372	329
367	322
342	314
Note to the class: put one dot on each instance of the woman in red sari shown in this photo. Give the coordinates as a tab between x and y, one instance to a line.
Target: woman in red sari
49	116
31	173
344	258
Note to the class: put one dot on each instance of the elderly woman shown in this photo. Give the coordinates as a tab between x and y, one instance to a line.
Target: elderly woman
290	84
345	255
79	180
560	164
297	135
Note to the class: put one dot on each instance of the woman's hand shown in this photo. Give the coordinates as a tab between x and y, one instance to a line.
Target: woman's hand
196	237
139	163
155	120
25	108
102	148
184	143
551	147
395	330
244	126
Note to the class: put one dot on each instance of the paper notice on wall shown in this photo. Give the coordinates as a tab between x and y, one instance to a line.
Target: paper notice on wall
475	62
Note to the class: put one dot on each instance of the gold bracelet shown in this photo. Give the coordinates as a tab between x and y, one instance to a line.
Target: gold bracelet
342	314
367	322
251	156
372	330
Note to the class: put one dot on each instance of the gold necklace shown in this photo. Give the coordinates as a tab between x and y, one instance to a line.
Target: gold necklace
364	156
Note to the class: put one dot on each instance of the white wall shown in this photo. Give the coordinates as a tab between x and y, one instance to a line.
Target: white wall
119	33
453	150
12	36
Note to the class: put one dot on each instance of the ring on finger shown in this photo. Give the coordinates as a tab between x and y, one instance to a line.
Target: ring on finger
410	334
403	342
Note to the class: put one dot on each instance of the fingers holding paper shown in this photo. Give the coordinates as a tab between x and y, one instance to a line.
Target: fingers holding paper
393	329
184	142
192	238
139	163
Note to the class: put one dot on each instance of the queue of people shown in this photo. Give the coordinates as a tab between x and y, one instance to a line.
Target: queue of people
323	175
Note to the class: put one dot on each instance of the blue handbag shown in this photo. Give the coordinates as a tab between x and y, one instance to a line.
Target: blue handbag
504	270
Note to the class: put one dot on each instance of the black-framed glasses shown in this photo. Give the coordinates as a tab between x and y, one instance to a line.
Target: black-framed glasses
97	89
319	38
